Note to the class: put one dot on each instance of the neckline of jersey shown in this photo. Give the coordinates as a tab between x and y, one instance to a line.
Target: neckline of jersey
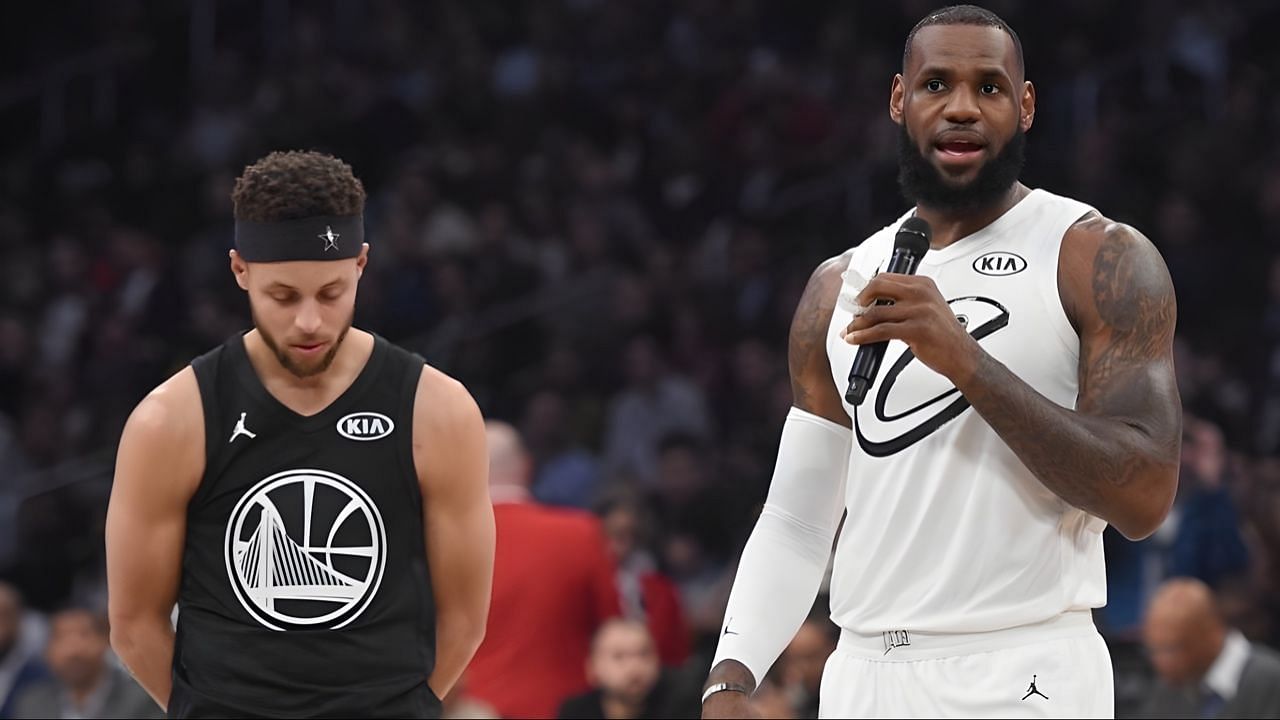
317	421
984	235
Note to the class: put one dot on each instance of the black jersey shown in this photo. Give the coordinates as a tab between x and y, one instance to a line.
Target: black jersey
305	588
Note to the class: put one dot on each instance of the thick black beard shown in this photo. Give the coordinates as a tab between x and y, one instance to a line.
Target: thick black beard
287	363
921	182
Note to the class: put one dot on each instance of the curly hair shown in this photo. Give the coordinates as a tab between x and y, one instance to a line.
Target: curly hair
297	184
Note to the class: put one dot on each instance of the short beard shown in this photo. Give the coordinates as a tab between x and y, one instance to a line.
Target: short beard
287	363
922	183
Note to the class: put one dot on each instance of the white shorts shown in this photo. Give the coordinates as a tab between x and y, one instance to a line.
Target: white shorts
1057	668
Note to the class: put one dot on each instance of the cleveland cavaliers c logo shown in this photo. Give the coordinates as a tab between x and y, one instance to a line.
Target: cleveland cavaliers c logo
305	549
912	401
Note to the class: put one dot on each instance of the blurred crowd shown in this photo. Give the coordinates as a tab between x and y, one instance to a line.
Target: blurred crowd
600	216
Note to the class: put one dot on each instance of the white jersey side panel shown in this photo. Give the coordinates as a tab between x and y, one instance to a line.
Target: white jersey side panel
947	530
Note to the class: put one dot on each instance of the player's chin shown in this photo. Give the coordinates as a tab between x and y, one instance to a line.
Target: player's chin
959	177
306	366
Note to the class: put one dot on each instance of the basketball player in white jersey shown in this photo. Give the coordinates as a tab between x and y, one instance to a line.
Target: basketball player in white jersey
1025	400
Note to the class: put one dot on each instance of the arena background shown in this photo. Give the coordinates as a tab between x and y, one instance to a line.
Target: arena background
577	206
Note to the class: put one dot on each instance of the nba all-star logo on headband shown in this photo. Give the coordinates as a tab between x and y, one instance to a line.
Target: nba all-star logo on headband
311	238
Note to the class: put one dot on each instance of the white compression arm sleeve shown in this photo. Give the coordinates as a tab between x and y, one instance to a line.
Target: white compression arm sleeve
785	557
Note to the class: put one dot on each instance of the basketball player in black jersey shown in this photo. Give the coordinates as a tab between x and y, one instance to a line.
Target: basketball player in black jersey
312	498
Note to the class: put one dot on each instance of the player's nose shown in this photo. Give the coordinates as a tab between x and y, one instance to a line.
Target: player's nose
961	107
308	320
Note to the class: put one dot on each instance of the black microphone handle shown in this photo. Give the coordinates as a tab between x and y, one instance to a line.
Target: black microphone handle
866	362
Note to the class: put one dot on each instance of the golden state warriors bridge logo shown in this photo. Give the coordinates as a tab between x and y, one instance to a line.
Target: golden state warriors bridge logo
305	549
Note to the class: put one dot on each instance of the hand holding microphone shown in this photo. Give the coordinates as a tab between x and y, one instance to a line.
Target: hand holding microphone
909	246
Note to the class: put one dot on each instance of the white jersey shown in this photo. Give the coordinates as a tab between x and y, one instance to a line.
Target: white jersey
947	531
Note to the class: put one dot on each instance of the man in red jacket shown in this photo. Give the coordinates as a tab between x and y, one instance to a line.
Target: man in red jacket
553	585
646	593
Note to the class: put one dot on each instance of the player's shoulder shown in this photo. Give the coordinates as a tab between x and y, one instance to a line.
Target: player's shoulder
833	267
1093	229
1108	270
444	391
1104	245
826	278
172	412
443	404
824	282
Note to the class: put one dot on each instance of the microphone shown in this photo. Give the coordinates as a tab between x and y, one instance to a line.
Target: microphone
909	245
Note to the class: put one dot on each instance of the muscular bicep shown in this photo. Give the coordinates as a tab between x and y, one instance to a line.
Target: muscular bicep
812	387
453	468
1125	311
158	467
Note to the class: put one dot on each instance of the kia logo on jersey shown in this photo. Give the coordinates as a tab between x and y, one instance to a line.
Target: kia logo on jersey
365	426
911	401
1000	263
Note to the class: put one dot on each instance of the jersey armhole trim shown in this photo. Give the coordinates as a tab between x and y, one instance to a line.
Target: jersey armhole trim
404	445
207	368
1051	293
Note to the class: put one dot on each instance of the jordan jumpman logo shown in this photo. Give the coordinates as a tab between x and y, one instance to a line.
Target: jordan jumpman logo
241	430
1033	691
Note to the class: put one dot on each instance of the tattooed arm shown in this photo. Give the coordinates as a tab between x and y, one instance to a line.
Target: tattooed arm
1116	454
812	389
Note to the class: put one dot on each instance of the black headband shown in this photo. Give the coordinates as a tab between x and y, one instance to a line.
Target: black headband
324	237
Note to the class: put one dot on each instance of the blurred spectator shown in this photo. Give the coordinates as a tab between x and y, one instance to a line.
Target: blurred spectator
85	683
1205	668
655	402
1202	537
1208	544
698	512
20	664
704	583
626	678
567	473
553	586
647	594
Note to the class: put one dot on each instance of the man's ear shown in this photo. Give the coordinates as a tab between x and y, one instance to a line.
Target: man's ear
1028	105
362	259
240	269
897	94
